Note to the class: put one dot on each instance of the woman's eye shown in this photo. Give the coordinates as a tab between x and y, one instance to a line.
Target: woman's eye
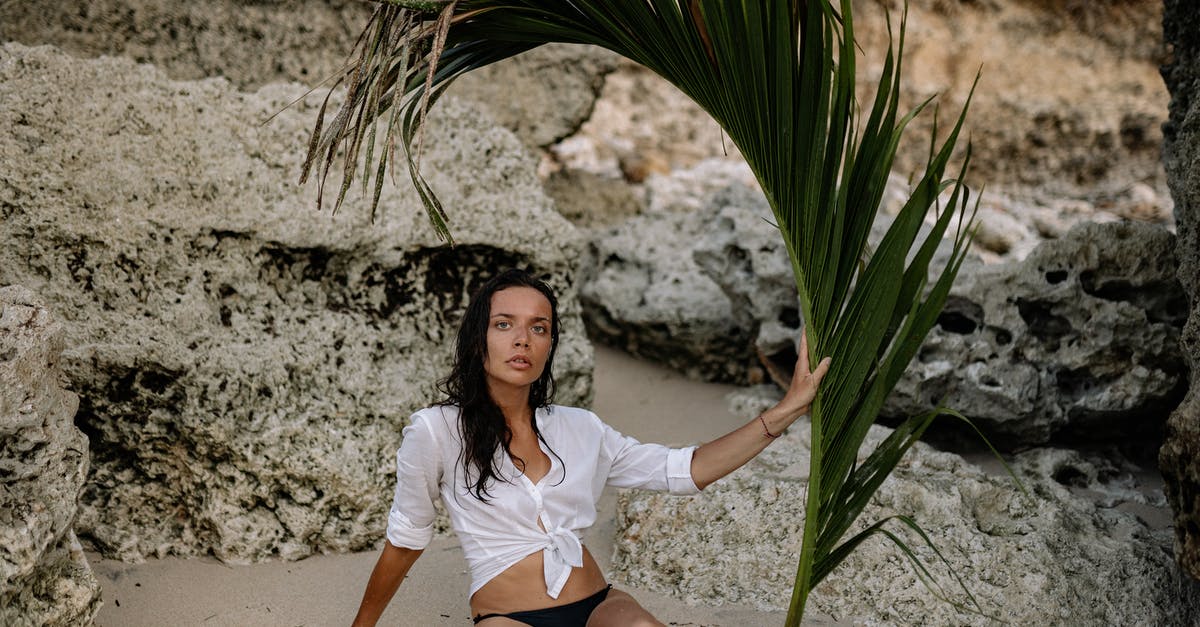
539	329
502	325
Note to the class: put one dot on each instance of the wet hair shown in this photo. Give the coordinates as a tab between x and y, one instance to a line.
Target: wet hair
481	423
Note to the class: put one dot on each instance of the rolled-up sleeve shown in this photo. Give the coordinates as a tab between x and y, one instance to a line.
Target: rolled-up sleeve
648	466
418	473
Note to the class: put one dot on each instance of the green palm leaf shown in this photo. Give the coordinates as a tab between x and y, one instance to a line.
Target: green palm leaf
779	77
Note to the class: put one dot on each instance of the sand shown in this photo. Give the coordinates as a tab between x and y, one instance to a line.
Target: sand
644	400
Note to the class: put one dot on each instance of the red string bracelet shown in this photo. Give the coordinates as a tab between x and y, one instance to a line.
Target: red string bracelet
765	429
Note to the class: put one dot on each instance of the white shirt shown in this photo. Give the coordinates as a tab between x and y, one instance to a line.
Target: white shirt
497	534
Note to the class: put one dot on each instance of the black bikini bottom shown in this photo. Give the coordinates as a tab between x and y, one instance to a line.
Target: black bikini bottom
570	615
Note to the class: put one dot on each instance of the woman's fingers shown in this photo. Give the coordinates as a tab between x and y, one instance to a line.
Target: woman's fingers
802	358
822	368
805	381
802	369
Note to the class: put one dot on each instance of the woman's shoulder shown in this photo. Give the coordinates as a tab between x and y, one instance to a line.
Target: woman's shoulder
441	411
438	419
573	416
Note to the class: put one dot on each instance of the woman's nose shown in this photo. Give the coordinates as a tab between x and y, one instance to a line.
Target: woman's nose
522	339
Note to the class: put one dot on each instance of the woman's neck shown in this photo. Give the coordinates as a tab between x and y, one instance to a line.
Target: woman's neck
514	404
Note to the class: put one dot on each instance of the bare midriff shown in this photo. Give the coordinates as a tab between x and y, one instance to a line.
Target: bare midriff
522	587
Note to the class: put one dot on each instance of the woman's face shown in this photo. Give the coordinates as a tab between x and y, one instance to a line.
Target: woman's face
518	338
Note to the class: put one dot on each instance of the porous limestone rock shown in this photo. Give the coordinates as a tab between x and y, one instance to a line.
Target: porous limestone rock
1179	458
250	43
690	189
642	291
44	576
1095	138
1046	558
641	126
705	263
1105	476
591	200
543	95
1054	152
1089	137
1079	340
744	254
245	363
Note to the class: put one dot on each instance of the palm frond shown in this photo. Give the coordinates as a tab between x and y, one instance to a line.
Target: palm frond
779	77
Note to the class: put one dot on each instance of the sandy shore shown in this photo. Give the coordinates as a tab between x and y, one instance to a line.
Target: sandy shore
644	400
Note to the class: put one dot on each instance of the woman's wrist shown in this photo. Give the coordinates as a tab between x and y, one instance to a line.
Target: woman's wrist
775	420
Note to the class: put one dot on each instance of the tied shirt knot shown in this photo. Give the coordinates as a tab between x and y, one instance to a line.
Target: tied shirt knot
563	551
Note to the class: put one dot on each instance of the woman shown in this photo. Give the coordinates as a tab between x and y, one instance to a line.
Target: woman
520	477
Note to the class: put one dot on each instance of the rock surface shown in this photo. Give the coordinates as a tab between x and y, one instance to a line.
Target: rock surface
1094	138
1079	341
641	291
44	577
1049	558
743	253
250	43
542	95
1180	455
591	200
244	363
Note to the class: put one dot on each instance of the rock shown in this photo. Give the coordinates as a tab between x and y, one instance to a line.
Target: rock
642	123
1105	477
245	364
1000	232
250	43
1078	341
1046	558
691	188
645	288
702	280
591	200
542	95
44	576
1097	134
641	291
1179	458
743	252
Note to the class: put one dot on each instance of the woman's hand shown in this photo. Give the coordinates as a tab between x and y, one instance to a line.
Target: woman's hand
725	454
805	382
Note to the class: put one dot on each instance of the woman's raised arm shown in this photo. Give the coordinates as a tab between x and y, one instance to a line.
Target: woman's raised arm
389	571
727	453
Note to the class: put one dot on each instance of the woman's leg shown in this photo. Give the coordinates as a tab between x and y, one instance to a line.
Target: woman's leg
621	610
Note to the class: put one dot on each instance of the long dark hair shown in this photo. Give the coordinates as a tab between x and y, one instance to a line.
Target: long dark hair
482	424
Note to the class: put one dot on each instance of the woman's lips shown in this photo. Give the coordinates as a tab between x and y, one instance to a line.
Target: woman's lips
520	363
